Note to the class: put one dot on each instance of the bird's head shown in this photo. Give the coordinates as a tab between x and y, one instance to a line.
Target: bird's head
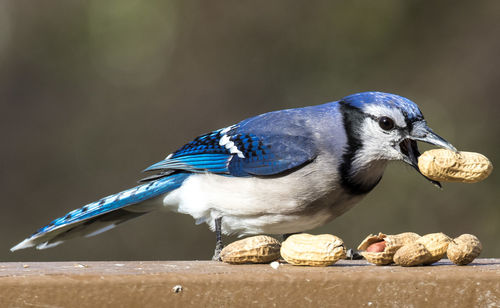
382	126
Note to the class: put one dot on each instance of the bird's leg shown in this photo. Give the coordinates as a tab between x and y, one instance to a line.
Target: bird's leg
218	238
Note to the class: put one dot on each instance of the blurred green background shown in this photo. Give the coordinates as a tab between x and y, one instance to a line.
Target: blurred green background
92	92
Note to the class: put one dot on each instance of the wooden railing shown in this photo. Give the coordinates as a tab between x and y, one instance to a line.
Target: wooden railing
215	284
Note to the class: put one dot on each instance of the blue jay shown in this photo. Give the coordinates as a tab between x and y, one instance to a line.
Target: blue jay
281	172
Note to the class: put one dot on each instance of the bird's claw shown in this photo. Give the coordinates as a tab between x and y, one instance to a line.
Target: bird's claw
217	251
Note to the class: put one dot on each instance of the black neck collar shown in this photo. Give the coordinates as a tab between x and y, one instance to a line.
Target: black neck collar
353	119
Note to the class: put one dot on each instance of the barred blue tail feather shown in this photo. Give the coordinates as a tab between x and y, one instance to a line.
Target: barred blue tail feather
103	215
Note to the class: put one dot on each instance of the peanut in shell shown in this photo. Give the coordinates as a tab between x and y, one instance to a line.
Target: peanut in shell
255	249
377	258
464	249
392	244
371	239
412	254
448	166
436	244
312	250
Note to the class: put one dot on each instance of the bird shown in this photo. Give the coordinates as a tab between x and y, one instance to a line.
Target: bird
281	172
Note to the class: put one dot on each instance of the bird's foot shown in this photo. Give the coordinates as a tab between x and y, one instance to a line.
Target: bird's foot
353	255
217	251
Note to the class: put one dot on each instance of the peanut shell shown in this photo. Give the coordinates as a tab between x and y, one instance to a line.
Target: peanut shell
392	244
464	249
436	244
378	258
448	166
255	249
313	250
370	239
411	255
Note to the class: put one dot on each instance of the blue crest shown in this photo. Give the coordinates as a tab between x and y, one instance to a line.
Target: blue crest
409	108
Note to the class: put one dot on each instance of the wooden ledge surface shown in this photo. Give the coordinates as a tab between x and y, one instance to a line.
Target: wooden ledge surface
216	284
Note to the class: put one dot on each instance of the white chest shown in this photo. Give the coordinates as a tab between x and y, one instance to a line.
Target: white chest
304	199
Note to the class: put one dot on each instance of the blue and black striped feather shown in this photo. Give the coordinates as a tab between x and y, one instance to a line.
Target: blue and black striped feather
262	155
277	155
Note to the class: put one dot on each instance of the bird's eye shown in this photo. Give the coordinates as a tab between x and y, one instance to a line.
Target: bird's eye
386	123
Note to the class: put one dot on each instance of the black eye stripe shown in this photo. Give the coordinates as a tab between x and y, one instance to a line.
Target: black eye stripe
377	119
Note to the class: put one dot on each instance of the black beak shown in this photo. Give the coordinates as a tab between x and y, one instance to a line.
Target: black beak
409	148
410	151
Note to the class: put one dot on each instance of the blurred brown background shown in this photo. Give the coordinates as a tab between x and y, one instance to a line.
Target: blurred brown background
92	92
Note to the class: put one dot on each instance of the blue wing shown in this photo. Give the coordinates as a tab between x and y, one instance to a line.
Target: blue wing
265	145
236	151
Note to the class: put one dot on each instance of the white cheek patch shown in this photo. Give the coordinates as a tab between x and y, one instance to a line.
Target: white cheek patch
393	113
377	144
